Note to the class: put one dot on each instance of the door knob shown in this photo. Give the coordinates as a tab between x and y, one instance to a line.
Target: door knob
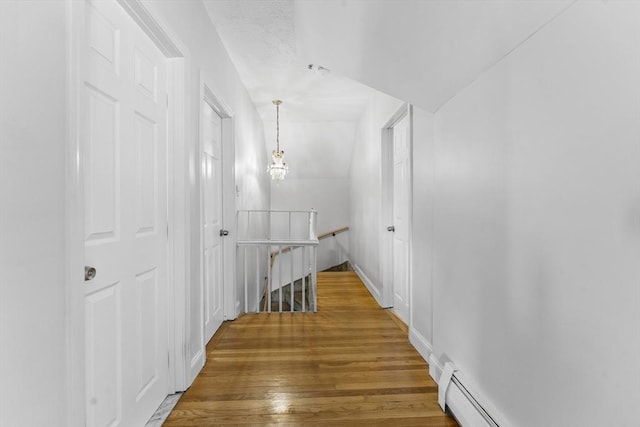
391	228
224	232
89	273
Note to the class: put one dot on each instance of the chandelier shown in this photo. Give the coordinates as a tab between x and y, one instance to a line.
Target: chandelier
278	168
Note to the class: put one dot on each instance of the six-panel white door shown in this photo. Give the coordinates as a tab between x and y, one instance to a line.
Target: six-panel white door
124	147
212	219
401	186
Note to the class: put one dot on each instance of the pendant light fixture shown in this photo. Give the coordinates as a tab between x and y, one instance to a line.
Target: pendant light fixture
278	168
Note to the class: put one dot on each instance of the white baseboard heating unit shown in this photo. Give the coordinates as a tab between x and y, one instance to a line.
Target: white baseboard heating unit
453	394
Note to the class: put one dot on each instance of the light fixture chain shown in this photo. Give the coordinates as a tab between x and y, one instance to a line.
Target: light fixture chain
278	168
278	128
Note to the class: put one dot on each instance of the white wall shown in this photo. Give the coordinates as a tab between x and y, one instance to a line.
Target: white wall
364	188
537	232
367	229
320	149
423	186
526	238
329	197
207	55
422	52
32	214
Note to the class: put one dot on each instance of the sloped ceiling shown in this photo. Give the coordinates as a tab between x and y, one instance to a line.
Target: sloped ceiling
260	36
419	51
319	110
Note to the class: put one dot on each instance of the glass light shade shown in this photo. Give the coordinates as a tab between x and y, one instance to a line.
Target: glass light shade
278	168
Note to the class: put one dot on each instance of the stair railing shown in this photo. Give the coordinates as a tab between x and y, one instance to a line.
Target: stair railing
262	252
335	259
332	233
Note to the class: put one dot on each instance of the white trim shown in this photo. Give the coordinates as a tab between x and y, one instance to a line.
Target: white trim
178	222
369	284
386	215
386	197
178	274
150	25
421	344
214	101
410	216
230	298
435	368
75	331
285	242
179	93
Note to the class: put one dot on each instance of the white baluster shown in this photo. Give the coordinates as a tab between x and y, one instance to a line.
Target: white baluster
246	287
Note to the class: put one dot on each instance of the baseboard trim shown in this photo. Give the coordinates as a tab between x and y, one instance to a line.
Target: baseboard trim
435	368
398	321
368	283
421	344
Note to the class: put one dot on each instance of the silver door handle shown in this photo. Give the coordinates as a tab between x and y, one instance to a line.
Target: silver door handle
224	232
391	228
89	273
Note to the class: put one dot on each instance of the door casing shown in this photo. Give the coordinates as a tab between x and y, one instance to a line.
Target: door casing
193	362
177	272
386	240
231	304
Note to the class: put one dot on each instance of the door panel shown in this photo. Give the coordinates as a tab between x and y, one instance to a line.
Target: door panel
147	325
147	176
212	219
146	75
401	186
103	347
124	151
101	168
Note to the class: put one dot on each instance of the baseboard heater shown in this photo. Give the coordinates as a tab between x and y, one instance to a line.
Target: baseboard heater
455	396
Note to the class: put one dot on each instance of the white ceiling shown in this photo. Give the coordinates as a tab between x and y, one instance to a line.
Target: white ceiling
319	110
420	51
260	36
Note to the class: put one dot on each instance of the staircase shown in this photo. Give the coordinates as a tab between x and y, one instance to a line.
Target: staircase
297	292
345	266
298	296
279	266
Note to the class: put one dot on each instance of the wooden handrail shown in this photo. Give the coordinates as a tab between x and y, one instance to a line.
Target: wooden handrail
333	232
320	237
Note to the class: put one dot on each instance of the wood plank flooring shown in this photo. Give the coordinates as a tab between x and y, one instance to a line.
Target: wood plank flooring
349	364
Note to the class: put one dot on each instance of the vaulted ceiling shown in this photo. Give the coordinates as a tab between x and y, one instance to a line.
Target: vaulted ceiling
419	51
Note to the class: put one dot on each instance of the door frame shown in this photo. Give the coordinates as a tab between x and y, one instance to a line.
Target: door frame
230	304
386	193
178	226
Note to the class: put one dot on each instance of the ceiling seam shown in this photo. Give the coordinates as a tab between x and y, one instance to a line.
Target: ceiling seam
505	56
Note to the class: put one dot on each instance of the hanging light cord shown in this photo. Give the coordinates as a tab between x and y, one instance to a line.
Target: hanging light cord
278	127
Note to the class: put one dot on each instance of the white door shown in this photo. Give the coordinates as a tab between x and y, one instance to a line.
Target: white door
212	219
401	186
123	132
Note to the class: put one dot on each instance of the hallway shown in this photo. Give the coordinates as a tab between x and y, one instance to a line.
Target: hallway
519	224
348	364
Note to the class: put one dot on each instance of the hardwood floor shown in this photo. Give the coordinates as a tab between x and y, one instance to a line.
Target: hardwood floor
348	364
